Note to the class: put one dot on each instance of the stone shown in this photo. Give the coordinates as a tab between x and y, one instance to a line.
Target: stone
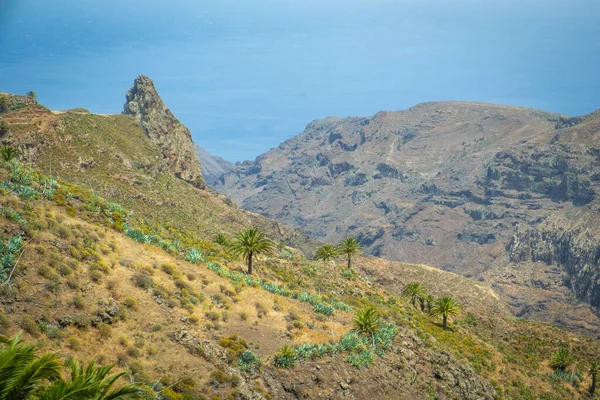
172	137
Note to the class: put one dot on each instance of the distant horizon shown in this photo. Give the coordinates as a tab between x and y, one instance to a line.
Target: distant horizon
245	76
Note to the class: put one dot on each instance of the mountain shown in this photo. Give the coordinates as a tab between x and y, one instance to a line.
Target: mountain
107	253
172	137
460	186
213	167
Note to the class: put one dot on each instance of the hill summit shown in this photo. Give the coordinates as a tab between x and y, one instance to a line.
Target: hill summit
162	127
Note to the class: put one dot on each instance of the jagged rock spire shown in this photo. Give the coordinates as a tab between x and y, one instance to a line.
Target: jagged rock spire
164	129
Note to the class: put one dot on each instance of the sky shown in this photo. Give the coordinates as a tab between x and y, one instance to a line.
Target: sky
245	75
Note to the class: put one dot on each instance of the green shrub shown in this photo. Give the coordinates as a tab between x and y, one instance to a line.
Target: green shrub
73	343
247	360
286	357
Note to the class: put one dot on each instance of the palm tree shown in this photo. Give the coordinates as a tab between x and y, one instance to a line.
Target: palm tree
8	153
349	247
414	291
429	300
21	372
249	242
26	376
92	383
366	322
593	369
221	239
326	253
446	307
560	359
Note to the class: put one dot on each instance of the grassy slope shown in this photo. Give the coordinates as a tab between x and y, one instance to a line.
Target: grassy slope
112	155
75	263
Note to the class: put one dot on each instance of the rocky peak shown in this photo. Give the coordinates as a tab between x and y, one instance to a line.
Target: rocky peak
164	129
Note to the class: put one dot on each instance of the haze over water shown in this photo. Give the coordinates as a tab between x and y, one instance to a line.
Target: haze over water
246	75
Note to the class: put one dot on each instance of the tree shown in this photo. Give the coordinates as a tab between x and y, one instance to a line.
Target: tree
91	382
222	240
561	359
249	242
428	301
445	307
326	253
25	376
22	372
366	321
4	129
349	247
32	94
8	153
414	291
4	104
592	371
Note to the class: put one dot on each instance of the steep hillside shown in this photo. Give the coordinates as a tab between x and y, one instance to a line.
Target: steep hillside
213	167
121	161
107	254
81	278
448	184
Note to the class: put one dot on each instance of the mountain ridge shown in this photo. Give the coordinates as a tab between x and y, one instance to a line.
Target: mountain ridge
441	182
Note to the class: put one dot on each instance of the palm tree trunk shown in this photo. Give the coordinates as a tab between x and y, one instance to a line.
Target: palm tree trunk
444	321
593	387
349	261
422	305
250	263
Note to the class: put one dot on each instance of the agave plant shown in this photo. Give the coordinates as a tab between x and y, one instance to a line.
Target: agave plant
445	307
286	357
8	153
561	359
414	291
249	243
349	247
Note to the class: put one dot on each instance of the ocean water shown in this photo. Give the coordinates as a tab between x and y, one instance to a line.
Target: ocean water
246	75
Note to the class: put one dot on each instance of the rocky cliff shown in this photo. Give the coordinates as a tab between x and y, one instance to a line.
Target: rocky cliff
440	183
161	126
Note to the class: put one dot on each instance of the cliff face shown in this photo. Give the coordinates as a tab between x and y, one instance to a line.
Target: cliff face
440	183
161	126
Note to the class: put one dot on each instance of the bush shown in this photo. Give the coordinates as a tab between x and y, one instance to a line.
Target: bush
212	315
286	357
130	303
142	281
104	331
30	326
73	343
169	269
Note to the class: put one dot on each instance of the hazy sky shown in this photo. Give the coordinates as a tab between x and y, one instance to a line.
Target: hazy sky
244	75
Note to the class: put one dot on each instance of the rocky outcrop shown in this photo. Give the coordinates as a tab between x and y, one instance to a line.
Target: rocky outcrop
571	241
171	136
